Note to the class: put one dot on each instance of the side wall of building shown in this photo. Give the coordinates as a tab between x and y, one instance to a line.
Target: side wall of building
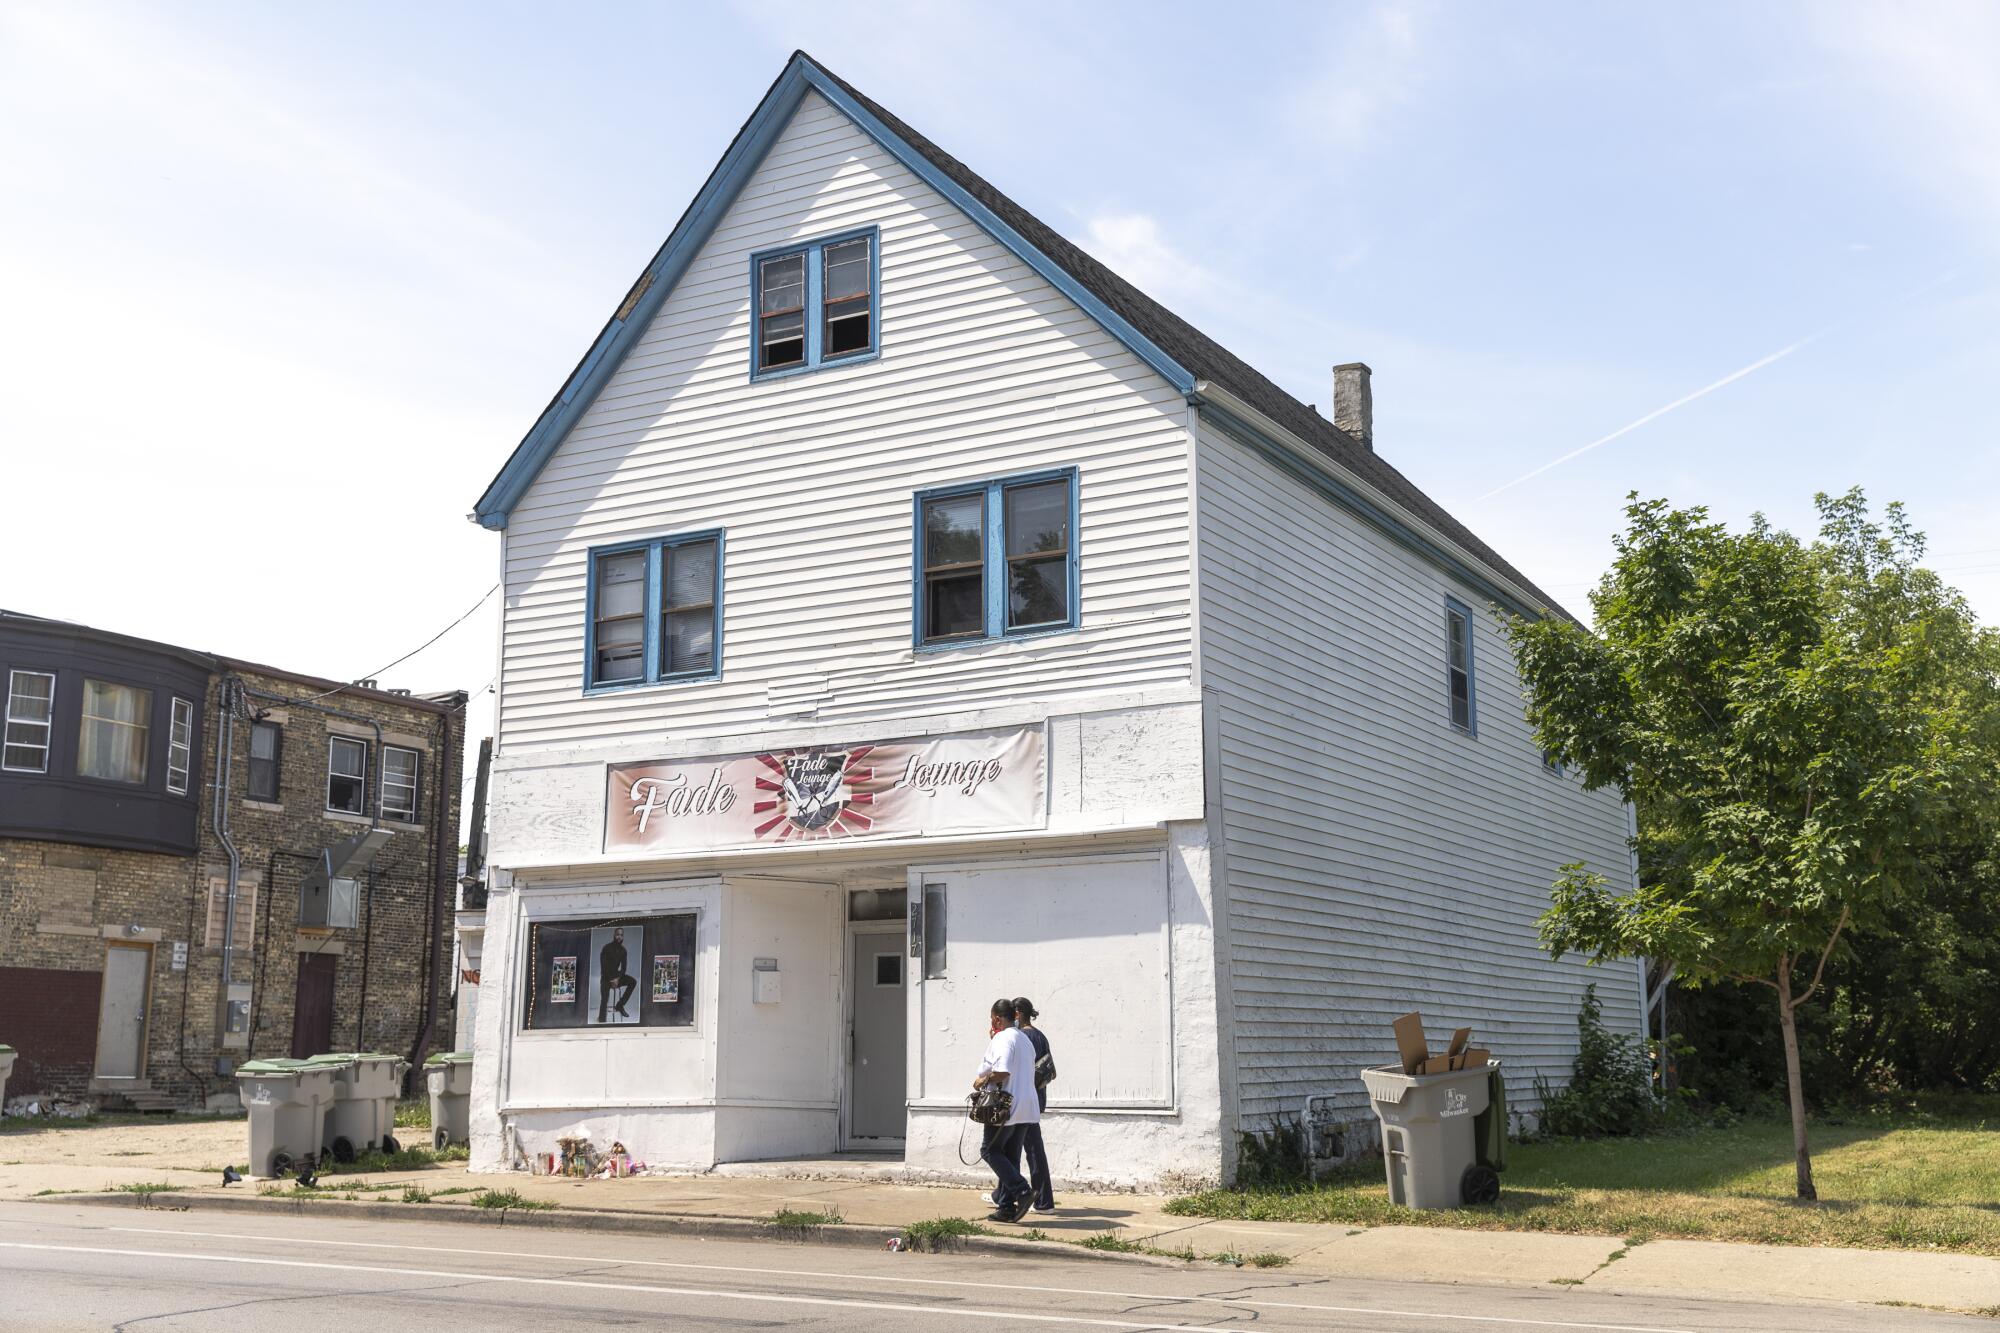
1378	858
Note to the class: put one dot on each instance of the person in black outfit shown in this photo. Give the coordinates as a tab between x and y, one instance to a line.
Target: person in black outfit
1031	1141
611	973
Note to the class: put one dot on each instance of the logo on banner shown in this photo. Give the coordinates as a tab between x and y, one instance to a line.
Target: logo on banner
814	793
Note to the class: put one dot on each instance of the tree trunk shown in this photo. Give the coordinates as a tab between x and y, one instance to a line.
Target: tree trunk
1787	1021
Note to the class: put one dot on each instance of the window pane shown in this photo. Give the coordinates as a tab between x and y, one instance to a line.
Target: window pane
690	641
180	746
1037	518
399	783
956	604
30	707
1456	624
782	284
1461	699
621	584
263	740
346	764
847	329
934	931
627	662
847	270
954	531
1038	592
784	341
117	724
264	737
347	758
30	696
691	574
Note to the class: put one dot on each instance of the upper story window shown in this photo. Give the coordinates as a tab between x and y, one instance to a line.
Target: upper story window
180	746
346	775
655	612
1460	695
400	769
996	558
31	707
816	304
117	729
267	741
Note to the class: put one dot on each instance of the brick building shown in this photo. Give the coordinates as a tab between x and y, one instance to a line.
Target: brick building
336	847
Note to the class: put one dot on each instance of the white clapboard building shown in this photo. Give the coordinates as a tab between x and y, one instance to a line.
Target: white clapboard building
903	611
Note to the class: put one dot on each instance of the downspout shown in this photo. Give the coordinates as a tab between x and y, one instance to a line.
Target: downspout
443	872
225	727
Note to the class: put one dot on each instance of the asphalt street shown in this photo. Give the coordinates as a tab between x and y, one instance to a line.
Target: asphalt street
66	1267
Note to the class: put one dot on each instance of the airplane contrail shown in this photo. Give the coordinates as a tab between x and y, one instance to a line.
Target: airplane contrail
1702	392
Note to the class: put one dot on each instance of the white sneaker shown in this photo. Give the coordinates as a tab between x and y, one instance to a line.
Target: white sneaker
991	1197
1050	1209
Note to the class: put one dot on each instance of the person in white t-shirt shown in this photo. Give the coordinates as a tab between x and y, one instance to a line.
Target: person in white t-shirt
1010	1062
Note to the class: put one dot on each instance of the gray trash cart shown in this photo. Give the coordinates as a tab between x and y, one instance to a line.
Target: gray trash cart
1435	1134
450	1079
287	1101
363	1113
6	1068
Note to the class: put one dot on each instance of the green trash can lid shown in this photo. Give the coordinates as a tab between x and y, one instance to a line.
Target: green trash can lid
328	1059
6	1049
276	1064
450	1058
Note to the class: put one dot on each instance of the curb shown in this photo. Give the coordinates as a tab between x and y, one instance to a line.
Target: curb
846	1234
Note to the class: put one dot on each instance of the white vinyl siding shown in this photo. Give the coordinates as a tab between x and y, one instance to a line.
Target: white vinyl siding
984	370
1378	859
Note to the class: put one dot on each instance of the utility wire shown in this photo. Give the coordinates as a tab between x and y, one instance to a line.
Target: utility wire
414	651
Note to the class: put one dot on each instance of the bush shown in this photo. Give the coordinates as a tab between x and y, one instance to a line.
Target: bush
1610	1089
1276	1156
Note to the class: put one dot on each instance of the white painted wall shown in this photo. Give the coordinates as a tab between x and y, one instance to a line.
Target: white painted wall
779	1062
985	371
1379	860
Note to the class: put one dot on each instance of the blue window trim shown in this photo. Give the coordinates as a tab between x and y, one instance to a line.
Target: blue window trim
815	315
1452	606
996	560
655	549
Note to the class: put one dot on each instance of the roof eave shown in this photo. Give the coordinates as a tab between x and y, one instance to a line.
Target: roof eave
1324	474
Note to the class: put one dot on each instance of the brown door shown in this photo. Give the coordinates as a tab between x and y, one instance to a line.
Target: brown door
312	1011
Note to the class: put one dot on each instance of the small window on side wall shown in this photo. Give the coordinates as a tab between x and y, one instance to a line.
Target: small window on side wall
401	767
116	733
1460	696
31	710
346	775
997	559
816	304
266	748
180	746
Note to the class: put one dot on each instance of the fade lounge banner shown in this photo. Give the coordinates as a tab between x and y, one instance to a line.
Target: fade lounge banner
990	781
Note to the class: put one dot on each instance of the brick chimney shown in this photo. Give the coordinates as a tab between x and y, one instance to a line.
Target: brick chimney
1354	403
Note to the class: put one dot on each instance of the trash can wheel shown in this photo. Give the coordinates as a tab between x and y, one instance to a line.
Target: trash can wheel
390	1146
343	1150
1479	1185
440	1138
281	1164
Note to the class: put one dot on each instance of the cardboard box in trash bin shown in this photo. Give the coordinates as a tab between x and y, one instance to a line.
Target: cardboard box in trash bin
1415	1050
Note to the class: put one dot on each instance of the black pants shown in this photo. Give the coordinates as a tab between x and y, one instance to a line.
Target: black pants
624	983
1038	1165
1000	1149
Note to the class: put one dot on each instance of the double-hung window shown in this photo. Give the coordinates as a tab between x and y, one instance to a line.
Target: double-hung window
267	742
346	775
816	304
996	558
1461	698
401	767
31	707
180	746
116	732
655	612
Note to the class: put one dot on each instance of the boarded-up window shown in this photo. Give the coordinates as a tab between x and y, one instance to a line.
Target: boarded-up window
246	907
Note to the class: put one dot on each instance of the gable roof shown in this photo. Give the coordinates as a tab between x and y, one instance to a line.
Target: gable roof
1183	355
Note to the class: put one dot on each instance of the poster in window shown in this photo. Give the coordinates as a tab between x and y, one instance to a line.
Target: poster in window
666	978
562	980
579	969
612	950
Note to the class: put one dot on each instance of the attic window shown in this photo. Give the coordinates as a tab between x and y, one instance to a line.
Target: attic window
816	304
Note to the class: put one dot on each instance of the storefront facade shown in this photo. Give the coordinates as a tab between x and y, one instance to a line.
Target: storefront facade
789	951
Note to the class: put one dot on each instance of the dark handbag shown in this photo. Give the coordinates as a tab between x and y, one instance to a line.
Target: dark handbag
1045	1071
990	1105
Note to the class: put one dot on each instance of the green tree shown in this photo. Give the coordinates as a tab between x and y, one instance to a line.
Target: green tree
1801	724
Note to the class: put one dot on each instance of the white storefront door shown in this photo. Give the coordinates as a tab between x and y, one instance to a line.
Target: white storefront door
121	1011
876	1073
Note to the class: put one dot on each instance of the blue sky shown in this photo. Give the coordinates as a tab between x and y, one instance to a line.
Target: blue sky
283	284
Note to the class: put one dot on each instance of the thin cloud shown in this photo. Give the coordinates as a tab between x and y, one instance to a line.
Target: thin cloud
1708	389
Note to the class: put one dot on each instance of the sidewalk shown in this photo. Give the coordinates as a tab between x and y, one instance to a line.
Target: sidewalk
191	1156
